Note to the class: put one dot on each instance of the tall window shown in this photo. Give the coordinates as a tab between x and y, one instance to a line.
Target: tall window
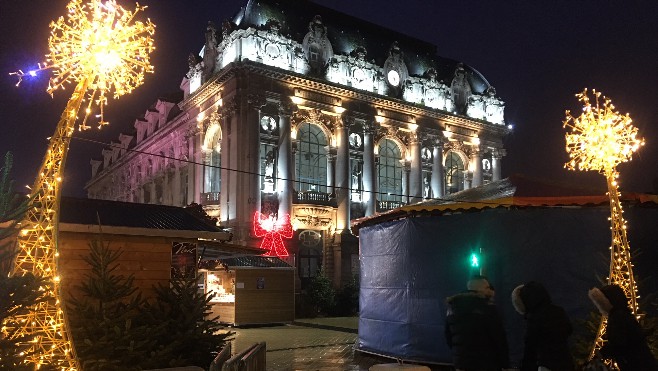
389	171
454	173
268	172
311	159
213	181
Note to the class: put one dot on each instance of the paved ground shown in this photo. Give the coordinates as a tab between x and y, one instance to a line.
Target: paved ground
321	344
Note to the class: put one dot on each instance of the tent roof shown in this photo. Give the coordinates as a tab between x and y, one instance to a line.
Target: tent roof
517	191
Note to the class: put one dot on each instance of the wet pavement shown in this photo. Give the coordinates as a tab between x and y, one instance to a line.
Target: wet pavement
320	344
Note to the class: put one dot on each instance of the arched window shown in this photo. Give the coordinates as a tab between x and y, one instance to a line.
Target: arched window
311	159
389	172
213	181
454	173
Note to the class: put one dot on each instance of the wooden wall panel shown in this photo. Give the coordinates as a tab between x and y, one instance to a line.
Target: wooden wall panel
148	259
275	302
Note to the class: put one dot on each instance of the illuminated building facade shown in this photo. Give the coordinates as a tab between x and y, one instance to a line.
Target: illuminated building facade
308	112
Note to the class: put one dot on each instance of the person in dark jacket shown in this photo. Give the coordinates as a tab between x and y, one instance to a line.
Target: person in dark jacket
547	330
474	330
626	343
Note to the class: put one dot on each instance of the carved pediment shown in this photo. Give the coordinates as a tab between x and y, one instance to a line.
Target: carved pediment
314	217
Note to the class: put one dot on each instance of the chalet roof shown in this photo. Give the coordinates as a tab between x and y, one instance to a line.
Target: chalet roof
85	211
255	261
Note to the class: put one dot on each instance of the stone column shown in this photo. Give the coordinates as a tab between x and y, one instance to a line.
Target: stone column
331	164
406	170
497	155
227	208
176	188
369	170
153	192
285	166
438	173
342	175
476	160
199	169
468	179
416	169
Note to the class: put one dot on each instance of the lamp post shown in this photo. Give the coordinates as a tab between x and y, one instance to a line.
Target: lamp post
101	48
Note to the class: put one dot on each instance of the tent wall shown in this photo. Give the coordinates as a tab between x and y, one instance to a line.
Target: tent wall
410	266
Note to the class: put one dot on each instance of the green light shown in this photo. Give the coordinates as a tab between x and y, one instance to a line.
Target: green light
475	260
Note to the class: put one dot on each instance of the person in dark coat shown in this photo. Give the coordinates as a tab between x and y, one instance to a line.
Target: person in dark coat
547	330
474	330
626	343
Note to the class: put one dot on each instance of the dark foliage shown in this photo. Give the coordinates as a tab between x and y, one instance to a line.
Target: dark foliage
115	329
185	334
320	294
347	298
108	329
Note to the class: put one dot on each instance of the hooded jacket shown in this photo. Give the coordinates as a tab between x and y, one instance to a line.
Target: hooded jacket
626	343
475	333
547	329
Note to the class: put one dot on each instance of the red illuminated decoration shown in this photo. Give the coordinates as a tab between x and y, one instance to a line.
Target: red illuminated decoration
274	231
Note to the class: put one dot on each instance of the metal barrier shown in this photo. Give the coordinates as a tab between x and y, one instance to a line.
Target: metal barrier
250	359
221	358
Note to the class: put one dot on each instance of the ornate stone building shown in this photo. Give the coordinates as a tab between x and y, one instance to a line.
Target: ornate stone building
306	111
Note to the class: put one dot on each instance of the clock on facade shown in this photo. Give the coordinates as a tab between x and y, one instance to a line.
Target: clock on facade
268	124
393	77
355	140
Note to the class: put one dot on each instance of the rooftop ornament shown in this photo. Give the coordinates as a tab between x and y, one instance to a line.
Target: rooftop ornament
99	46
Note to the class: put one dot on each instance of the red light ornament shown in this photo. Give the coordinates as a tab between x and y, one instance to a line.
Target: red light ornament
274	231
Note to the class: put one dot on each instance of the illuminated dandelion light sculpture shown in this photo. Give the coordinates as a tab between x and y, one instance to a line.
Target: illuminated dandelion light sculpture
600	139
102	48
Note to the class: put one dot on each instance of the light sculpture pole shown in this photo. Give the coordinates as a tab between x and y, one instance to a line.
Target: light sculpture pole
600	139
102	48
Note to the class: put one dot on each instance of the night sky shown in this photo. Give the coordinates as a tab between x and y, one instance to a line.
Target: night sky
536	54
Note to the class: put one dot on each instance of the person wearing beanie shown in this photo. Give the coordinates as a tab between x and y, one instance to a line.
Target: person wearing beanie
547	330
474	330
626	343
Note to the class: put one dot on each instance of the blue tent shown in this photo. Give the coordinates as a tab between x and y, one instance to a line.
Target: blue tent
414	257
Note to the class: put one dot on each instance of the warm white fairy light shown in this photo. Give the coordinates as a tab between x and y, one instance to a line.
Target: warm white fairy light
600	139
102	48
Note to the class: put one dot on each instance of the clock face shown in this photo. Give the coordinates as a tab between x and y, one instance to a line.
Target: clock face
393	78
268	123
355	140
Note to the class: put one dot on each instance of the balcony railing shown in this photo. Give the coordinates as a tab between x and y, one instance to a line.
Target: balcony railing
313	198
388	205
210	198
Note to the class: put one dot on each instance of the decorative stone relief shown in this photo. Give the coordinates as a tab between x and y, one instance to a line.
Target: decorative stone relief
316	46
313	217
210	51
460	89
493	107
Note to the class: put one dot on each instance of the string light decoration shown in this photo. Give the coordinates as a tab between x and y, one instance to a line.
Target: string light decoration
274	231
102	48
600	139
